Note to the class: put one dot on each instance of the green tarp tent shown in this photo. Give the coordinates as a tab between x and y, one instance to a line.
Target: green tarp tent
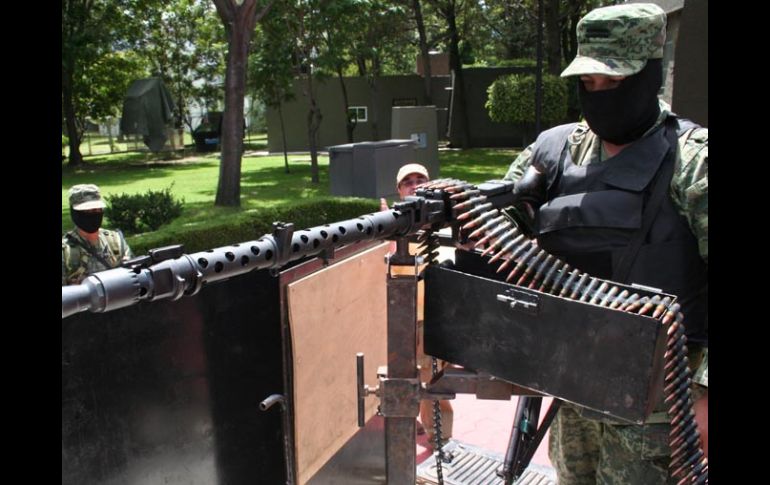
147	111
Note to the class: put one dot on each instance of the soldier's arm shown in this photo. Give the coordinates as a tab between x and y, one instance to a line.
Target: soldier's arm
690	185
519	166
689	190
126	253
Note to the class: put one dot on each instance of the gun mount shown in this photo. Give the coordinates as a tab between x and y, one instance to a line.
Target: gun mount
543	285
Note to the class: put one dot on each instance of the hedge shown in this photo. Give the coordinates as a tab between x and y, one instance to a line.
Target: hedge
511	99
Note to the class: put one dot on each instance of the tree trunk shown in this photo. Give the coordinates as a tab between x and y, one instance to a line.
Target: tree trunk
575	9
374	117
283	135
229	187
426	70
460	120
239	24
350	123
108	123
553	37
313	123
69	115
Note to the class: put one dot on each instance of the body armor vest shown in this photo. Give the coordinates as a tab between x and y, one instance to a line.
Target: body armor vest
593	212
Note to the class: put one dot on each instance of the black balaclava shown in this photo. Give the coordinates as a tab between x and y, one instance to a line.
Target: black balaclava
623	114
89	222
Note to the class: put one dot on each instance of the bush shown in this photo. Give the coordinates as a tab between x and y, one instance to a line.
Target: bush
133	213
64	141
258	223
512	99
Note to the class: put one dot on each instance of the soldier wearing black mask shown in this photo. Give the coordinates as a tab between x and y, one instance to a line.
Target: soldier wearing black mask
623	196
87	248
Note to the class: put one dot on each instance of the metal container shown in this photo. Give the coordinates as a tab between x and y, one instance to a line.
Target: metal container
600	358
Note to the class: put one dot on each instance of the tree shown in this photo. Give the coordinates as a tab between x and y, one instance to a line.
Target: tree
341	18
101	92
308	32
271	67
381	46
424	50
553	23
511	25
86	34
239	18
450	10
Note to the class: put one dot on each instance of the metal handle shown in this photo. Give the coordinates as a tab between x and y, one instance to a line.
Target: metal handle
360	388
526	303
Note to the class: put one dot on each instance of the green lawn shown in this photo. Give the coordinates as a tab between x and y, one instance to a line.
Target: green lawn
264	183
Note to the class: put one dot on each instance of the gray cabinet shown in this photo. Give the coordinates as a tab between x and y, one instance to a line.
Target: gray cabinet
368	169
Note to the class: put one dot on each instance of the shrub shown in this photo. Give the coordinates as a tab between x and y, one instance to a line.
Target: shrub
512	99
134	213
258	223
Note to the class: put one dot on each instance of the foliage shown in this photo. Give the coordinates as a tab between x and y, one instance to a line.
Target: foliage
64	141
93	34
272	59
134	213
105	81
185	43
512	99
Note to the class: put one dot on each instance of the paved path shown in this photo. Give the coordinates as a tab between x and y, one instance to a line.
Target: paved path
486	424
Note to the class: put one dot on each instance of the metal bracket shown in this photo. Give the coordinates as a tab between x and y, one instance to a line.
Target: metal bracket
399	397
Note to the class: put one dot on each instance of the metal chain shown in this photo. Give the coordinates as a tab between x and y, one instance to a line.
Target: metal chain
437	434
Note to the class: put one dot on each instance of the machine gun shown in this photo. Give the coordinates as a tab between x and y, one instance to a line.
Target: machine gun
544	286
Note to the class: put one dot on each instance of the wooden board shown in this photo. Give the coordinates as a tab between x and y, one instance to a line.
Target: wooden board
333	314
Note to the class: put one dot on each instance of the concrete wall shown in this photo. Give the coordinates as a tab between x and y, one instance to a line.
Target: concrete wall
685	58
391	90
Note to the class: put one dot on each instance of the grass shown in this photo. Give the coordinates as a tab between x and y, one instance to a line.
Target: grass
264	183
476	165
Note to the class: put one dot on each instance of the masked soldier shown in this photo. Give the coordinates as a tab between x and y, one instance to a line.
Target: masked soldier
622	196
87	248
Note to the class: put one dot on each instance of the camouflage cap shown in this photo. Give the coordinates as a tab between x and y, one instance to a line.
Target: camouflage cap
618	40
85	197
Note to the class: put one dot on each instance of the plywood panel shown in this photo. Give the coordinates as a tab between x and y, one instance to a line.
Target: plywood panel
335	313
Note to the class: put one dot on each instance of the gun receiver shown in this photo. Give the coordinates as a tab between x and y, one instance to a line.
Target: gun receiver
168	273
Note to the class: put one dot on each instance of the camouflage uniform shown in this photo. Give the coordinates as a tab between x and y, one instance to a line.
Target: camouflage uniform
79	257
77	262
586	450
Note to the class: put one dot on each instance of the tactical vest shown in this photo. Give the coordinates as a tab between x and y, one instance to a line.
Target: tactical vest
594	211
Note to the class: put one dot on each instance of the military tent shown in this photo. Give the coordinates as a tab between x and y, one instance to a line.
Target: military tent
147	110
